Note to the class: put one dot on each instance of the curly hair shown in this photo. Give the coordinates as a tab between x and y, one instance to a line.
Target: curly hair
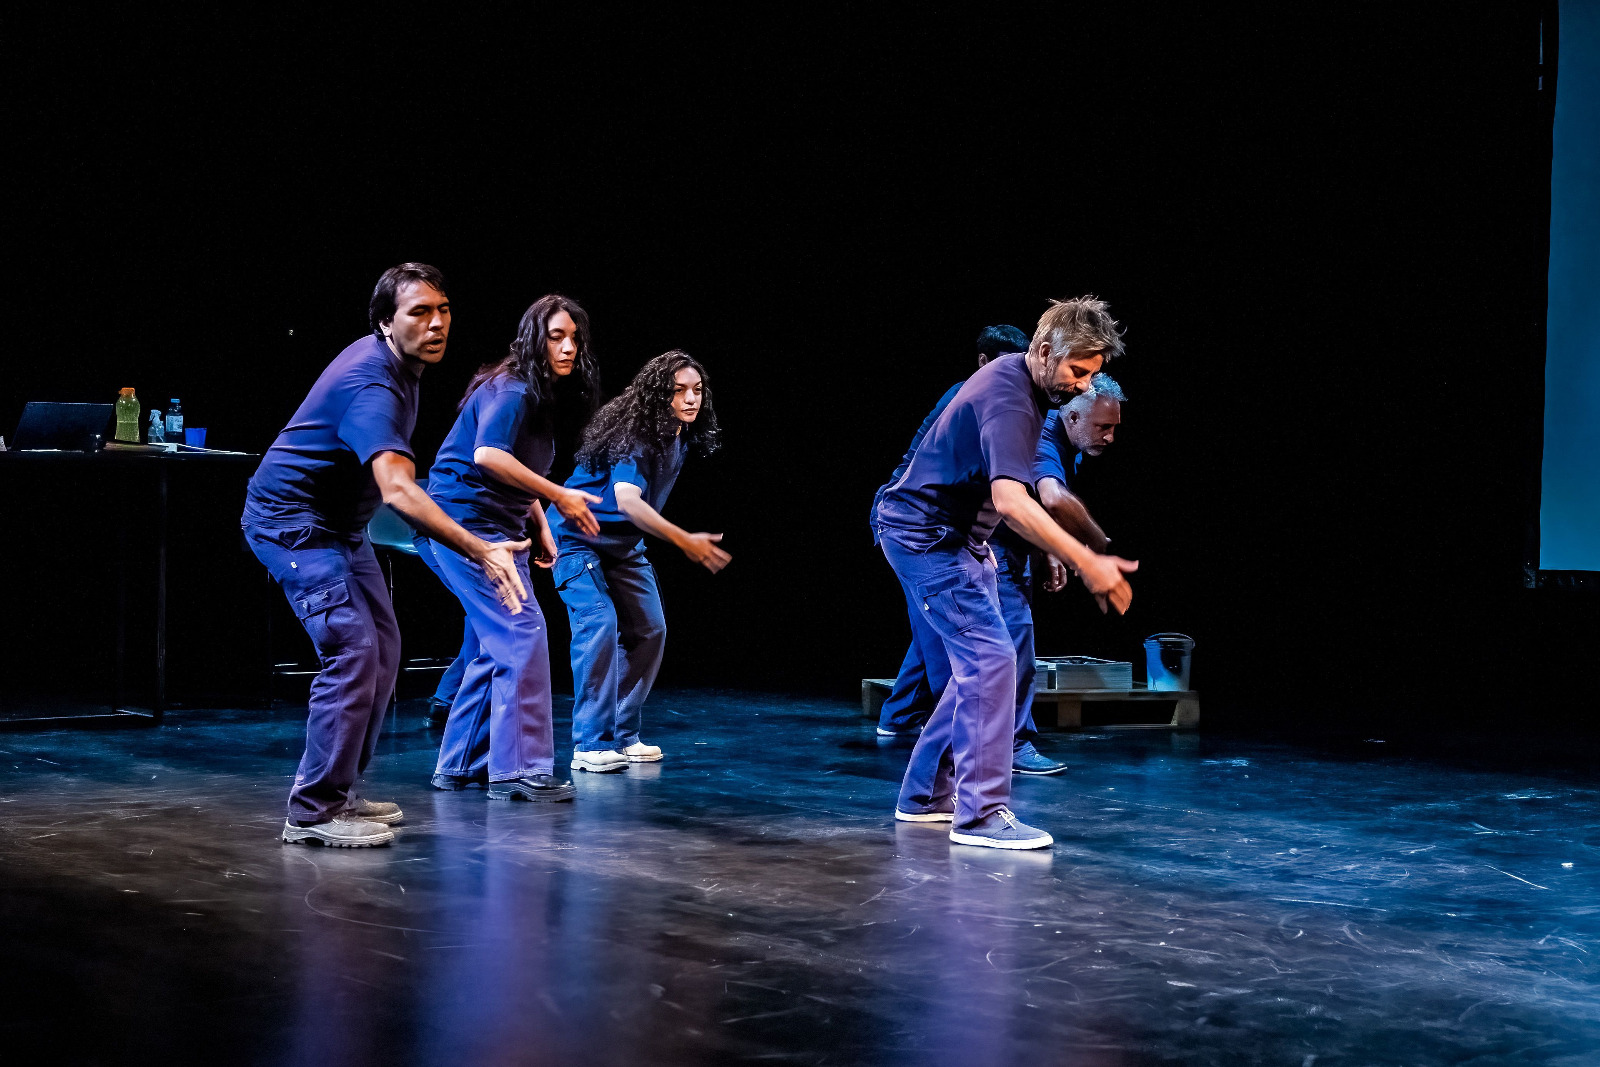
640	420
529	361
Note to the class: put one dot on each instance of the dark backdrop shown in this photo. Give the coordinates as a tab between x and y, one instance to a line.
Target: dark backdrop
1324	229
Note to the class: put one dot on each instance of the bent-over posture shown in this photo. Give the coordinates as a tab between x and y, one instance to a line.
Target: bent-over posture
305	518
631	454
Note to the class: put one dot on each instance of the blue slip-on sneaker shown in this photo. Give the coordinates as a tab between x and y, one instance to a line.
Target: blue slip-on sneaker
1027	760
1002	830
539	788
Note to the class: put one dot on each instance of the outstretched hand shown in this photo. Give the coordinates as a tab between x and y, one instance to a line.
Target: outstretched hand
1103	575
702	549
574	507
499	565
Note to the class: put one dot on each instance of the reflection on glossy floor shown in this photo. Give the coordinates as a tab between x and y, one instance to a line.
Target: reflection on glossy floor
750	899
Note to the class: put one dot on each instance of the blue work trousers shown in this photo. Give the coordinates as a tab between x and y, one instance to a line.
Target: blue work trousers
618	635
925	671
500	722
965	748
450	682
338	593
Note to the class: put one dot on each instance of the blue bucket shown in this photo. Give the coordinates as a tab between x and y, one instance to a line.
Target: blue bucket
1167	661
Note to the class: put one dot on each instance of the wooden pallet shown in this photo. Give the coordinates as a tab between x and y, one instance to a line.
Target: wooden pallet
1063	708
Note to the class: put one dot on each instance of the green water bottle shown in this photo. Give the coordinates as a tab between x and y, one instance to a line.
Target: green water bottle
128	417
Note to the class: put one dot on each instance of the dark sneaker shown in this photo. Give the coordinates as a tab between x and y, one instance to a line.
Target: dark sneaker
904	731
374	811
535	787
1002	830
455	782
935	814
341	831
1027	760
438	712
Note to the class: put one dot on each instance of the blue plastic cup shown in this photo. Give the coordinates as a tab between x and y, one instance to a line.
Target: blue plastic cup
194	436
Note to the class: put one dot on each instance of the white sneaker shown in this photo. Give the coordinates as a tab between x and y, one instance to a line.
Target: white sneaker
600	761
639	752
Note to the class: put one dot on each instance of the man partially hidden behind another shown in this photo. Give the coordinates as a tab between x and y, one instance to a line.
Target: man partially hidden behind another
305	518
1084	426
971	471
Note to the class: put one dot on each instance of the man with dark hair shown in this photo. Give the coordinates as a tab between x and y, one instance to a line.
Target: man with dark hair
971	471
925	671
305	518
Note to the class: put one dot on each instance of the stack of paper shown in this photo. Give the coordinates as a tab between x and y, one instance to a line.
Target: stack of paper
1056	673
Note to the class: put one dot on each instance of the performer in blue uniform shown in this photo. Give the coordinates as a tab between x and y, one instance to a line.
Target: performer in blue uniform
925	670
970	472
631	454
1083	427
489	475
578	346
305	518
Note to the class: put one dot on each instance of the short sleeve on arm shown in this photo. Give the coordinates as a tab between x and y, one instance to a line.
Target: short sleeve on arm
629	471
373	423
1008	441
1048	461
500	419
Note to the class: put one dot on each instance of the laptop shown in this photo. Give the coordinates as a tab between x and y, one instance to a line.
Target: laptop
63	427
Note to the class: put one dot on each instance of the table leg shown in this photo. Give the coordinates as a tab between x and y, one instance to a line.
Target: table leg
161	596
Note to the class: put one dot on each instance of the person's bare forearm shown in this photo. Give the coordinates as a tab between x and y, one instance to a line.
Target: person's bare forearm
1070	514
1024	515
651	521
420	511
397	483
507	468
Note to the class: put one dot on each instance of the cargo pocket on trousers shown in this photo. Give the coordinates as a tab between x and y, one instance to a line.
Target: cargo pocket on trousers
580	584
331	619
941	599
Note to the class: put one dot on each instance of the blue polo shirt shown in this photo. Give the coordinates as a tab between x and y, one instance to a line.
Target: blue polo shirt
317	472
905	461
653	474
989	430
498	414
1054	447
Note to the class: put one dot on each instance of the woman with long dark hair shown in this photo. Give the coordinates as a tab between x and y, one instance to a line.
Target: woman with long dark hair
489	476
630	457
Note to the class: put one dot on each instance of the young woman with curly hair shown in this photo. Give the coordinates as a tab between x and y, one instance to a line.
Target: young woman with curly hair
630	457
490	476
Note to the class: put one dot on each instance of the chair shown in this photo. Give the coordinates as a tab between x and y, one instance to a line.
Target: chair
391	538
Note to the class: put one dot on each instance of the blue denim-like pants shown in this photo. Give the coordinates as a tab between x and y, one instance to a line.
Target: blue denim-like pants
965	748
618	635
925	671
338	593
500	722
450	681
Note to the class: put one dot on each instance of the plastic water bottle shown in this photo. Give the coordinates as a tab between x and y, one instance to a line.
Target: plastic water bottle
128	416
158	428
175	422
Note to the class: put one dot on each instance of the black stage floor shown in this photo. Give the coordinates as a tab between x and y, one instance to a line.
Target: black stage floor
1209	901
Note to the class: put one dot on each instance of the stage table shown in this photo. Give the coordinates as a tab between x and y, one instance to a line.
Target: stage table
51	523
